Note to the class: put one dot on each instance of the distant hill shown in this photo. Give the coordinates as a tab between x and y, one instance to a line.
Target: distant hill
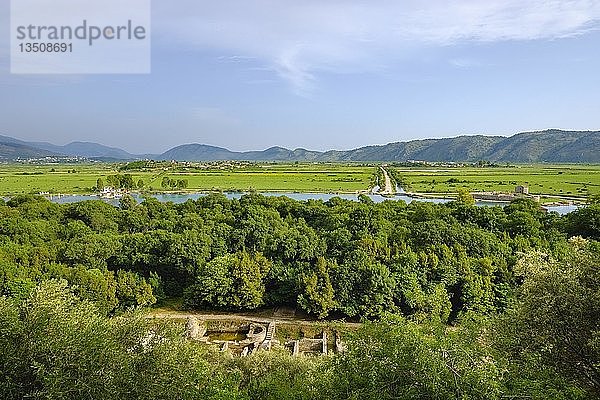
86	149
202	152
551	146
12	149
543	146
198	152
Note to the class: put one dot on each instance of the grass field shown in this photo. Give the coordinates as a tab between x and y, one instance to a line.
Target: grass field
558	180
19	179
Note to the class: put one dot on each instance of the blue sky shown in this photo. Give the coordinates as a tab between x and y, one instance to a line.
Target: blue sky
325	75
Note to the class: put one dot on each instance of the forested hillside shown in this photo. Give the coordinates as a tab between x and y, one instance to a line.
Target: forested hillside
467	302
549	146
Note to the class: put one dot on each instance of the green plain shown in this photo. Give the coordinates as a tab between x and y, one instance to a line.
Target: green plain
337	178
553	180
557	180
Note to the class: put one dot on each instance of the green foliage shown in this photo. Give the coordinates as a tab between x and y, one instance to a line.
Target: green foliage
464	196
169	183
233	281
427	261
132	290
412	361
54	346
317	293
121	181
127	202
277	375
585	222
557	317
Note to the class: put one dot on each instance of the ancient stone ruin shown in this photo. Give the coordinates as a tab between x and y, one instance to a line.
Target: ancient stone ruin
247	338
308	346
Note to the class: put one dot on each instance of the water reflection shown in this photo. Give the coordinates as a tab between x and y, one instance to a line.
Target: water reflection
182	198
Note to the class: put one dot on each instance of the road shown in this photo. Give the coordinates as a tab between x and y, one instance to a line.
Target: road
389	189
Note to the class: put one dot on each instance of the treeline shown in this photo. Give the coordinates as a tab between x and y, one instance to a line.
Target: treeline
119	181
471	302
53	345
170	183
340	258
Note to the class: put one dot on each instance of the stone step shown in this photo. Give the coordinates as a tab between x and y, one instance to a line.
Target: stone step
270	331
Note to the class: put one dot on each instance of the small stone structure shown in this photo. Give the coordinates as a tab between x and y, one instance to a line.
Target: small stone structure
339	346
254	336
309	346
522	189
492	196
256	333
267	343
194	329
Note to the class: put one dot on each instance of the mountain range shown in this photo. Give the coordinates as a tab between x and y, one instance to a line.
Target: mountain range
551	146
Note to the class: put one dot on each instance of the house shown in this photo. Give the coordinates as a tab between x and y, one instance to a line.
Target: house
522	189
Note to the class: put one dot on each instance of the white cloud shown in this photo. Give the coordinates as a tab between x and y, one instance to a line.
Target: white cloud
298	39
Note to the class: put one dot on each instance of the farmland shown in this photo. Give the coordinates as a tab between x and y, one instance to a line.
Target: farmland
547	180
556	180
22	179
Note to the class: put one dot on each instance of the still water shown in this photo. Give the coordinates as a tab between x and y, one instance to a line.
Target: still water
182	198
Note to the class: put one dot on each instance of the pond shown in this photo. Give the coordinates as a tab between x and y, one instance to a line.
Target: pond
182	198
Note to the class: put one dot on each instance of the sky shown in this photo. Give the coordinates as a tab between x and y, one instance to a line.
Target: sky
248	75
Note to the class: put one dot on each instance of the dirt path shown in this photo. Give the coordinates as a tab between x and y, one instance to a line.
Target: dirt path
388	184
207	316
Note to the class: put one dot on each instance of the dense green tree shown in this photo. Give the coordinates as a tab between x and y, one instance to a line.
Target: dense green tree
557	316
363	286
585	222
54	346
234	281
132	290
317	295
415	361
464	196
276	375
127	202
96	214
381	256
213	286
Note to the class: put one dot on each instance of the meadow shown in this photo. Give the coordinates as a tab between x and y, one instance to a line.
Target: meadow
556	180
549	180
24	179
81	178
